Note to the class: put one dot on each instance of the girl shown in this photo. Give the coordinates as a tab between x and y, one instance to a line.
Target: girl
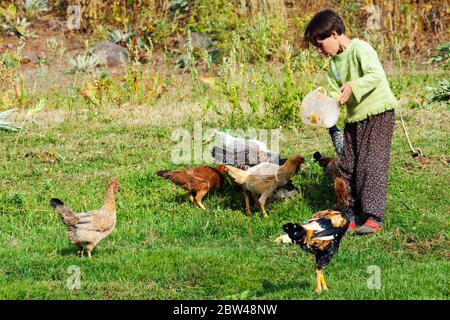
357	79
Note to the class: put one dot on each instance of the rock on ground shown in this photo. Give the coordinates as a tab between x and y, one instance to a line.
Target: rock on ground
109	53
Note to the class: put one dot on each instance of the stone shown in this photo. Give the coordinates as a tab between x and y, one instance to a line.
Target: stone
109	53
200	40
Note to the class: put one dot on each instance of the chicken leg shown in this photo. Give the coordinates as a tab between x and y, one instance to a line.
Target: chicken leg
262	203
318	289
80	251
247	203
322	281
263	210
198	198
89	248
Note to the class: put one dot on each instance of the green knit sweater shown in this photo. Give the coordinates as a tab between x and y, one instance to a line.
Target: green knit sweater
359	65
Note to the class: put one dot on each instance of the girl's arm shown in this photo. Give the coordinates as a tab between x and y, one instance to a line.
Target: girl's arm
372	70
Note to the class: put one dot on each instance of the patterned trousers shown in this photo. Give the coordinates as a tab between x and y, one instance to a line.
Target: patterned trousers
365	163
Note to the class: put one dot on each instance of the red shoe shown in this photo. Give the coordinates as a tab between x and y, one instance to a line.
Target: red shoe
369	227
352	226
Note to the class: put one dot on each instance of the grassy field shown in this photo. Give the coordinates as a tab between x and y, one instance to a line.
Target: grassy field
164	248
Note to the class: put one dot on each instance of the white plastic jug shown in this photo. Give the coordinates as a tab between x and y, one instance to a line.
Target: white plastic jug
318	109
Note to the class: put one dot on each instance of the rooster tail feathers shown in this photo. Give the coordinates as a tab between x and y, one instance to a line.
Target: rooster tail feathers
341	192
163	173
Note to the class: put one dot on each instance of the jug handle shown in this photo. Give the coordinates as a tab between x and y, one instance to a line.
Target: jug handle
320	89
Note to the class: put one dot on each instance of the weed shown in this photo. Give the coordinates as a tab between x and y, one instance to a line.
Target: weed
441	92
120	37
83	63
442	56
34	7
7	125
18	27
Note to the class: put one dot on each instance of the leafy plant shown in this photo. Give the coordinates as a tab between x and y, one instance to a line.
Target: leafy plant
18	27
84	63
273	96
9	13
441	92
260	38
12	59
119	37
12	23
230	86
33	7
181	6
443	56
190	58
7	125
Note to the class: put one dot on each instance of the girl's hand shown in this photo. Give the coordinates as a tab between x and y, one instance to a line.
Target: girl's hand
346	90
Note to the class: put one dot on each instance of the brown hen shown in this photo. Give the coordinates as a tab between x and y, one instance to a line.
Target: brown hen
329	164
196	181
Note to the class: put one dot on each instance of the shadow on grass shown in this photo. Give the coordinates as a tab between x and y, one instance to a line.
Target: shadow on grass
69	251
73	252
317	190
232	196
228	196
270	287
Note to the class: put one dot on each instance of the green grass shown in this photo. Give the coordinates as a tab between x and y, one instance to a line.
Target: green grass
164	248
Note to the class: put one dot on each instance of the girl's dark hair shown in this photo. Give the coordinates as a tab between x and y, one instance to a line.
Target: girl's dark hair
322	25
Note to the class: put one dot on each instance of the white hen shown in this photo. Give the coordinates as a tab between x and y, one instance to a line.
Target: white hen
231	143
